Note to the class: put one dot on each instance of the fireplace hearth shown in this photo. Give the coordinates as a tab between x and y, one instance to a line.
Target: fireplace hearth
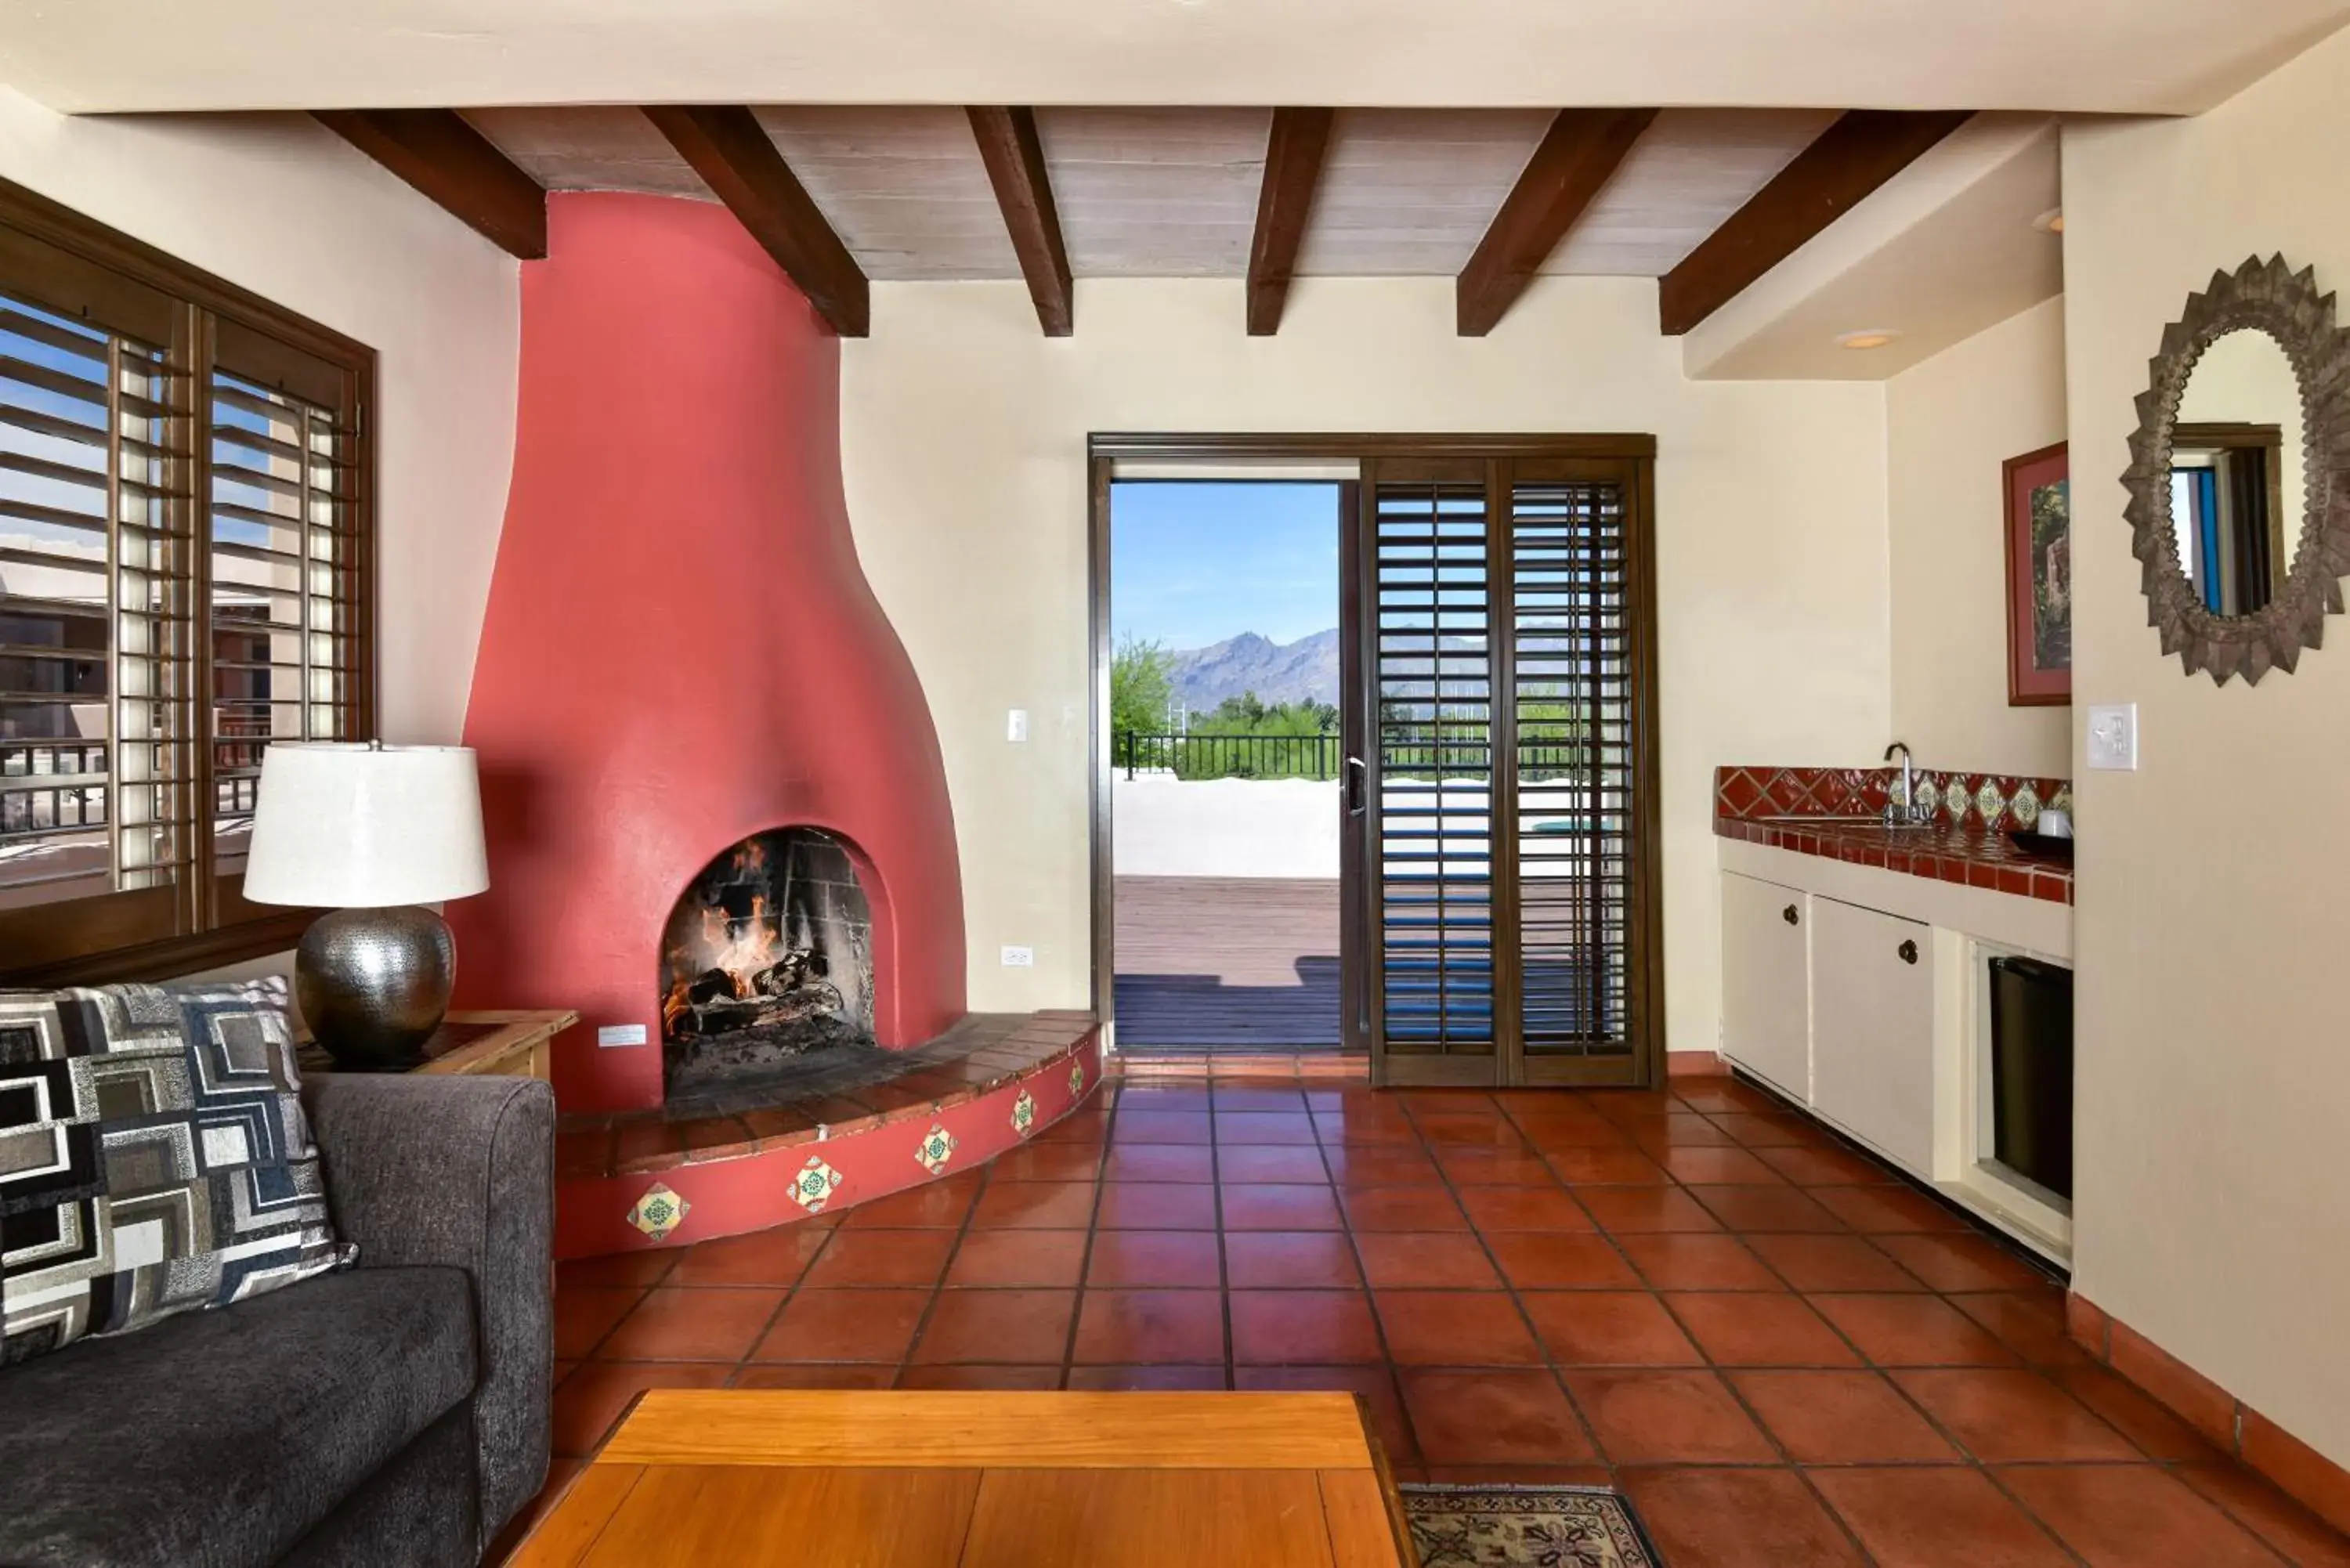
767	960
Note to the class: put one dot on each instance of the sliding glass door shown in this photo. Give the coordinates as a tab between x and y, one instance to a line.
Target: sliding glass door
1501	802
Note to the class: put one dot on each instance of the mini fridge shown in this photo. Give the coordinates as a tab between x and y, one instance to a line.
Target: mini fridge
2031	1070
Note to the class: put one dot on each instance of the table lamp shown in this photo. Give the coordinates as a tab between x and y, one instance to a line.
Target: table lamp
370	832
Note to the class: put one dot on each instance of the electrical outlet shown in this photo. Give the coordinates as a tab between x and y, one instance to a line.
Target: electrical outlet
1019	958
611	1035
2113	737
1016	725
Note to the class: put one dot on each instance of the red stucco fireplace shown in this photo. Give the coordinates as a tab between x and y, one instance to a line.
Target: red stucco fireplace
681	654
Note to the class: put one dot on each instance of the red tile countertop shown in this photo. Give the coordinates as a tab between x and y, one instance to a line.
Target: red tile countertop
1798	809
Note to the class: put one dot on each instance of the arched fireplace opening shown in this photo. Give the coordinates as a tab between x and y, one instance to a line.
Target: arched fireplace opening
766	961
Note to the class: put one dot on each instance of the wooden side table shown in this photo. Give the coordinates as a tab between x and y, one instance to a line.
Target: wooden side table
497	1045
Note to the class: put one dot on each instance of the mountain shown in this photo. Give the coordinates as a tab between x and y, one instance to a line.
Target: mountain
1276	672
1308	668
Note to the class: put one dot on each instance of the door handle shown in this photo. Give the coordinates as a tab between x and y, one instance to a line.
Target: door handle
1356	774
1788	915
1909	951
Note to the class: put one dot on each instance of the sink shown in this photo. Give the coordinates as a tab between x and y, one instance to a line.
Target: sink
1869	820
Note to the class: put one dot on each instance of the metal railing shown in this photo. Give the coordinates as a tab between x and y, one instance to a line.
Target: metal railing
1194	757
1463	753
51	786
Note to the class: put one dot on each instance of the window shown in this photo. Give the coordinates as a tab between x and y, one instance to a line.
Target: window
184	578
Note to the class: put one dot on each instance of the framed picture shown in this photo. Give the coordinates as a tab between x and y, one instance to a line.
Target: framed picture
2039	579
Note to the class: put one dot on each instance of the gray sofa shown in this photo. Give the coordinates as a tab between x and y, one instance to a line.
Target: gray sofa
395	1413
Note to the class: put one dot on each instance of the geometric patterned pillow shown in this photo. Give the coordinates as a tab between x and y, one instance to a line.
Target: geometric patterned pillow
154	1158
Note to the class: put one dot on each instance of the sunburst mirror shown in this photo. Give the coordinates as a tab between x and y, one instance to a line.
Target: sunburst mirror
2240	525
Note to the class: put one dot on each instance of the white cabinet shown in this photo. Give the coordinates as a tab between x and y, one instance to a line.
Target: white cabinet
1765	1005
1872	999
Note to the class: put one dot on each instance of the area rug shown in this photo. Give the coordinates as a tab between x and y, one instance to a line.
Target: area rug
1526	1527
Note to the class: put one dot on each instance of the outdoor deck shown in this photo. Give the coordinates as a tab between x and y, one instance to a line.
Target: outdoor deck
1227	963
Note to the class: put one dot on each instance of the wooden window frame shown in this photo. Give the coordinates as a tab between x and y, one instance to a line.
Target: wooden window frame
88	940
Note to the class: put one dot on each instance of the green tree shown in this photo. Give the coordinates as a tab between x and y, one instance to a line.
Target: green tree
1249	715
1141	685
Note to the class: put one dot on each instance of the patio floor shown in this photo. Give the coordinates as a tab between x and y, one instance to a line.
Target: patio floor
1227	963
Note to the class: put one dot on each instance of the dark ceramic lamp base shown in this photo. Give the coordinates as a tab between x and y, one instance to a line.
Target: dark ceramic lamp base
374	985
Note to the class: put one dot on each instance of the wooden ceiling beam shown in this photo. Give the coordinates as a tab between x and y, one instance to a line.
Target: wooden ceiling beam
438	152
1848	161
1578	156
733	153
1008	146
1294	152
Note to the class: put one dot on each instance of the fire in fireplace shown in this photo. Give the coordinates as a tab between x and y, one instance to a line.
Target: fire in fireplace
768	956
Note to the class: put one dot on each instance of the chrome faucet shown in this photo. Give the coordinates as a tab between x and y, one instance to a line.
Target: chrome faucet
1908	809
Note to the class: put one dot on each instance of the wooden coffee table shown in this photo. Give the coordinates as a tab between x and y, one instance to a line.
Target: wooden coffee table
917	1479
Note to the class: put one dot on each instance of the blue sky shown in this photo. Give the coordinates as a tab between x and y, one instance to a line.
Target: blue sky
1193	562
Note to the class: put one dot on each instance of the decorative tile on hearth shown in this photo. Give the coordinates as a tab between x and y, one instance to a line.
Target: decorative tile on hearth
2024	806
1077	1079
659	1212
937	1147
813	1187
1024	1113
1990	803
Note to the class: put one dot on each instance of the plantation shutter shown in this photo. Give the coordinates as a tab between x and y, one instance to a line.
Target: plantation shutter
283	605
1432	690
144	664
96	762
1511	830
1572	696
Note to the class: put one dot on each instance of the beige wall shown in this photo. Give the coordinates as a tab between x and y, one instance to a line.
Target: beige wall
963	436
277	205
1950	423
2213	1082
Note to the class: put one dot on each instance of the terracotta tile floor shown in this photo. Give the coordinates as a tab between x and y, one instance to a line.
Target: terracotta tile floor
1785	1355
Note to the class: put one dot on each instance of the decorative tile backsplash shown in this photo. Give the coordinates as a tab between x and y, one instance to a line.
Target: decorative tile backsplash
1981	803
1833	812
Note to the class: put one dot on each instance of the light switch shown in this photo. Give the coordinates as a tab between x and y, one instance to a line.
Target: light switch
1019	957
1016	726
2113	737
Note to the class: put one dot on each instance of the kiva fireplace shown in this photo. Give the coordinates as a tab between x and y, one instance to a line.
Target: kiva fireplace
648	469
768	958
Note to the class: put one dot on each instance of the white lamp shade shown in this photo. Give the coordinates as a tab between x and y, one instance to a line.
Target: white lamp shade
359	826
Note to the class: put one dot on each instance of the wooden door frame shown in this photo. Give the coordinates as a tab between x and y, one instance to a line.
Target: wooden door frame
1105	450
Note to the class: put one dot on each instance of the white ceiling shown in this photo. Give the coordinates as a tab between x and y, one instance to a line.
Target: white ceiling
2117	55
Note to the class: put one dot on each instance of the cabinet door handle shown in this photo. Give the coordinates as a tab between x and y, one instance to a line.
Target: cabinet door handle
1788	914
1909	951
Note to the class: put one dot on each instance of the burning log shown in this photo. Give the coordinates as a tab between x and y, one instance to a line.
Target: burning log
789	990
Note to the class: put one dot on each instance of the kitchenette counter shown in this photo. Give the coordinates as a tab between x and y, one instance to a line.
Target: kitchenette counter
1858	962
1836	814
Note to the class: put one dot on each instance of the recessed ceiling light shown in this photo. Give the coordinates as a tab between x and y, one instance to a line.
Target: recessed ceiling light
1876	338
2050	222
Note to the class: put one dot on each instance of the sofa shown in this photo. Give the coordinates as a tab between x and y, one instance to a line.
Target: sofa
392	1413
